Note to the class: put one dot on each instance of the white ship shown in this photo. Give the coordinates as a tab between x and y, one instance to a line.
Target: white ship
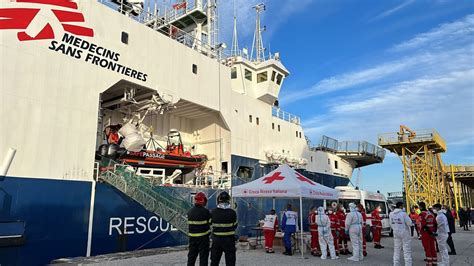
113	114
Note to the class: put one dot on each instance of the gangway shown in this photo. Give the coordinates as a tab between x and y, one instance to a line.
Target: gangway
424	177
156	199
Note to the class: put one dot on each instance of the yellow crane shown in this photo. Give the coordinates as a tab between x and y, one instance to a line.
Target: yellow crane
424	176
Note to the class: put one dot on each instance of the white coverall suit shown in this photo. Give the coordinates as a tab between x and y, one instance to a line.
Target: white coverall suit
325	236
443	230
354	227
400	224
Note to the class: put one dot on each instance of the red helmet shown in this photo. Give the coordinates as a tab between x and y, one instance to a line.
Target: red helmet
200	199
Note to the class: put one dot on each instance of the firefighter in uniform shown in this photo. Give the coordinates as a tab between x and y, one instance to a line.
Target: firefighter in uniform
361	209
199	219
377	227
428	229
334	229
313	228
269	228
224	223
343	249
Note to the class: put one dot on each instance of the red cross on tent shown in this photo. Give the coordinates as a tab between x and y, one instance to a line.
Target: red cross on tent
303	178
276	176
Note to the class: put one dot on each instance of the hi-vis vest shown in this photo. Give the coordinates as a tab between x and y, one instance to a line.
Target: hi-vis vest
291	217
269	222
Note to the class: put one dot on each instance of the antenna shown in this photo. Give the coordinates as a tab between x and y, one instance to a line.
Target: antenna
212	19
257	38
235	42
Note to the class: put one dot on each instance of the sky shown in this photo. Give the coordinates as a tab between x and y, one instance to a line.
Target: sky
362	68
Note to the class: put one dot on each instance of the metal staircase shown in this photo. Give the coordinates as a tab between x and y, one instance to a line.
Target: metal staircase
156	199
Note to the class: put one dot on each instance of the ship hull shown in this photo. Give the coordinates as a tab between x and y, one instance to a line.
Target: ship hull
56	214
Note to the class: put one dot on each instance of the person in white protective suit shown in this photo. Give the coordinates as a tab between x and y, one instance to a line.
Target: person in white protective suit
400	224
354	229
443	230
325	236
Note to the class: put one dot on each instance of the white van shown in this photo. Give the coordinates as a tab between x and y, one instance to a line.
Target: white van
370	200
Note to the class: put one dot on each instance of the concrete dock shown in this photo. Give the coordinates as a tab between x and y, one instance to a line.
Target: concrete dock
463	240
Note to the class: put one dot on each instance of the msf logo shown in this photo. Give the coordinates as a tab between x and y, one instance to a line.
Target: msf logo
40	19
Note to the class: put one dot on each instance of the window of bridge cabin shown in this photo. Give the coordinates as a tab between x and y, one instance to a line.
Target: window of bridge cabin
273	75
262	77
248	74
233	73
245	172
335	164
279	78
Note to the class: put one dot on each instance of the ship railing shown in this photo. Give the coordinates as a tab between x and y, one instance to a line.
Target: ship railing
360	147
277	112
161	200
162	24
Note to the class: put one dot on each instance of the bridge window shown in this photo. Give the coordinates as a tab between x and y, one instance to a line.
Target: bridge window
300	134
279	78
233	73
261	77
124	37
248	74
278	128
273	75
335	164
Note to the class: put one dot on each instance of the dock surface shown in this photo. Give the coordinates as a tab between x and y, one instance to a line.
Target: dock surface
463	241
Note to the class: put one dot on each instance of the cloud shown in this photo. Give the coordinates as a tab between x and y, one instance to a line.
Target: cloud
440	36
392	10
420	55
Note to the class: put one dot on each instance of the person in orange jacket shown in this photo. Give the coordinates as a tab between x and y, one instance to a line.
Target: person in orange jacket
313	228
377	227
415	219
343	249
364	224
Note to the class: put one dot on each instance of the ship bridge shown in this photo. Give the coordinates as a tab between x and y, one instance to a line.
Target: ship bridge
362	153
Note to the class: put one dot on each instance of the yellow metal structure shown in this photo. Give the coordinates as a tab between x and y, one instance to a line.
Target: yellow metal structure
424	177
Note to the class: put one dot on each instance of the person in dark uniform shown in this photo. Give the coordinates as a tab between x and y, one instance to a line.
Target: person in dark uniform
199	219
224	223
452	230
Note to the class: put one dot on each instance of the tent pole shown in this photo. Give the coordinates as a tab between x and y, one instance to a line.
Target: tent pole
301	225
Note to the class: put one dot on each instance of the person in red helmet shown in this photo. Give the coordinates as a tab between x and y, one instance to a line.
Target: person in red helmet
377	227
361	209
199	219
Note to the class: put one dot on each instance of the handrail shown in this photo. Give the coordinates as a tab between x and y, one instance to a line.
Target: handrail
277	112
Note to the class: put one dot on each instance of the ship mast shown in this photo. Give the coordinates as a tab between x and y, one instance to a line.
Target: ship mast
234	51
257	38
213	27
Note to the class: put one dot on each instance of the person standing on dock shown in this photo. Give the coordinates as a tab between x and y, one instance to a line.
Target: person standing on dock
442	233
361	209
224	223
343	249
401	223
288	225
377	224
428	229
313	228
334	229
452	230
269	228
325	237
353	228
199	230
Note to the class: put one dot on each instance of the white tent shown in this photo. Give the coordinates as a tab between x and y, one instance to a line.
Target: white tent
284	182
